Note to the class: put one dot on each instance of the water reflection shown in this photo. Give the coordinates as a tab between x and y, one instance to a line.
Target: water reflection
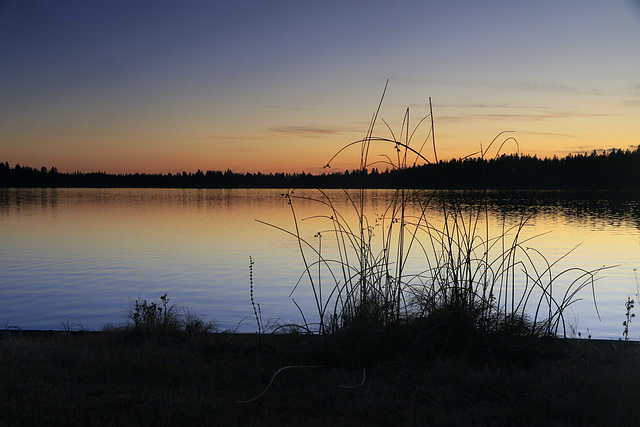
82	253
614	208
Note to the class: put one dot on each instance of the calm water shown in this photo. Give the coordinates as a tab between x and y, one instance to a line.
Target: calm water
82	255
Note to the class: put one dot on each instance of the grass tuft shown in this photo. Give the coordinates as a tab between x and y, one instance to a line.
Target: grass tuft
456	282
160	320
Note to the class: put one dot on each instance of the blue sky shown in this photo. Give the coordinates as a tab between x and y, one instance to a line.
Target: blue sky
156	86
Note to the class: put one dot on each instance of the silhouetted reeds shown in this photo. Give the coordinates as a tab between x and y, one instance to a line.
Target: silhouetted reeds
456	275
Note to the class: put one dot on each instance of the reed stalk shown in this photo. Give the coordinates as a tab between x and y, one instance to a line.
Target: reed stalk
359	270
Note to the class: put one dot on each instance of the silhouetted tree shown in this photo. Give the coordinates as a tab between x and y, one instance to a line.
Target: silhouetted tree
610	169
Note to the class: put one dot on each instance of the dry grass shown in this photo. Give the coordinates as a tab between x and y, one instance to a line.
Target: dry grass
106	378
367	270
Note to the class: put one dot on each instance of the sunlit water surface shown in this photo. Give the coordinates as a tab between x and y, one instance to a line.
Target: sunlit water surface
81	256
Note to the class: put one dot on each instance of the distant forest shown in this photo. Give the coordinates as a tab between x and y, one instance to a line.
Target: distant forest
614	169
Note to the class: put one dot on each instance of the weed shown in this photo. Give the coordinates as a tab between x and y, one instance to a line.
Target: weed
161	318
629	306
9	327
256	307
195	326
465	274
72	325
151	317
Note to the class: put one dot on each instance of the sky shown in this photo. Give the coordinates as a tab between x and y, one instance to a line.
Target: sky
281	86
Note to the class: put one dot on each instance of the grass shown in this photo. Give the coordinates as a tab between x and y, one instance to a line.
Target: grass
160	320
463	279
101	378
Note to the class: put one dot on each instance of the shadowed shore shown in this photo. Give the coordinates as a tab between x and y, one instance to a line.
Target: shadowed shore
122	378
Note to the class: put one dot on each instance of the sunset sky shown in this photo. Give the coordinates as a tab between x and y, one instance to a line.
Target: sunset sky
275	86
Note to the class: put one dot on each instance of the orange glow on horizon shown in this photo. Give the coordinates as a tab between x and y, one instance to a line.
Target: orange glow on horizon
303	149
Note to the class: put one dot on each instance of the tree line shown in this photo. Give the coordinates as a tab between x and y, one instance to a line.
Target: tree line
614	169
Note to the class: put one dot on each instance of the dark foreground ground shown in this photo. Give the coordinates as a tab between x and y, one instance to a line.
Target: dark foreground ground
117	378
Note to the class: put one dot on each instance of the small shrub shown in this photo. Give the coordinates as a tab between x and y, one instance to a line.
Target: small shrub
152	317
161	318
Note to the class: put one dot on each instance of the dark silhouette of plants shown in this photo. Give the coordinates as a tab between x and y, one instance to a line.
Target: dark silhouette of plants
629	315
470	274
256	307
161	318
152	317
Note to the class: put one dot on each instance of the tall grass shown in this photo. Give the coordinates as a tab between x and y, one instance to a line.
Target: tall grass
161	319
398	266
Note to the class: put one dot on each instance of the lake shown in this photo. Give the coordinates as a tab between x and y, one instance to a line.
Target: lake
82	256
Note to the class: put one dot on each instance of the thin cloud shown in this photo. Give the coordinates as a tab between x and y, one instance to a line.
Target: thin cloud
554	87
279	107
222	139
568	115
544	87
304	130
529	86
518	117
561	135
492	105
